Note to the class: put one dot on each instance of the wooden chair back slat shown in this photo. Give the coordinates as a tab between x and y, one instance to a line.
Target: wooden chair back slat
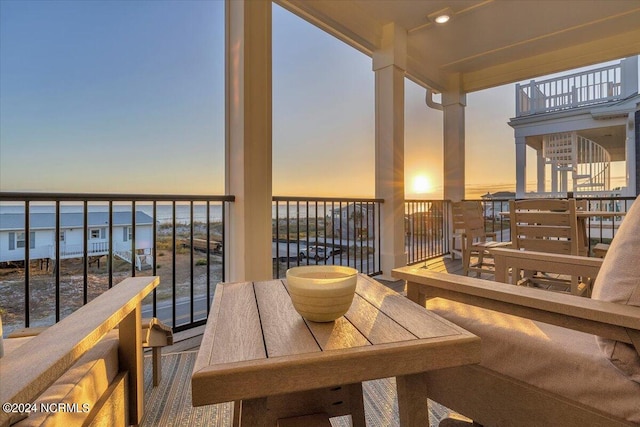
546	245
546	204
538	232
542	218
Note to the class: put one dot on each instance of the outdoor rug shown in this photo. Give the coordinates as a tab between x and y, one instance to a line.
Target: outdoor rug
169	404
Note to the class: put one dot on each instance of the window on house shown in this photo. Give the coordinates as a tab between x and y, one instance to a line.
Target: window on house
17	240
20	240
94	233
127	234
61	236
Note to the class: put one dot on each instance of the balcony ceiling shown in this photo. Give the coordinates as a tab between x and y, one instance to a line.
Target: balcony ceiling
488	42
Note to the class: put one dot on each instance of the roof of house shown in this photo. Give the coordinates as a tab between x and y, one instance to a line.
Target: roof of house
43	221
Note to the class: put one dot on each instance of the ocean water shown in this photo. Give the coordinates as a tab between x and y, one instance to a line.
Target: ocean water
165	210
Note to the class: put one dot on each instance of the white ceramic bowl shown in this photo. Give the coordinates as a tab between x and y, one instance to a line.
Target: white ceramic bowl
322	293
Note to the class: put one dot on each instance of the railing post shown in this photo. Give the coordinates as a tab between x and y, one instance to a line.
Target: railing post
533	97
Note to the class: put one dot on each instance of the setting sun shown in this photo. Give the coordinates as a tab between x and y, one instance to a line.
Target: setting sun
421	184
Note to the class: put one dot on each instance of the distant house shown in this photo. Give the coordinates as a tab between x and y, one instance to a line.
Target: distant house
499	195
494	203
42	230
424	223
354	221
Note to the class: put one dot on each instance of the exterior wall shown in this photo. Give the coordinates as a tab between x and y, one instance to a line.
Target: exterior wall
144	238
72	245
42	248
4	246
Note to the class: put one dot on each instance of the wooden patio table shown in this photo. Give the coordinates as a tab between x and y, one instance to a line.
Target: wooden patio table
258	351
583	219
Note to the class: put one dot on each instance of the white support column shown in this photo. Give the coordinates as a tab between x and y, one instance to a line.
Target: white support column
248	162
541	171
564	181
453	102
630	155
389	65
521	166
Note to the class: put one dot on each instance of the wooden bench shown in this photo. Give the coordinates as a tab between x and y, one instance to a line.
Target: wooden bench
28	371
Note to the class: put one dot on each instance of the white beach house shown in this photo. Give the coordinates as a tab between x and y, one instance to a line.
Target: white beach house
42	244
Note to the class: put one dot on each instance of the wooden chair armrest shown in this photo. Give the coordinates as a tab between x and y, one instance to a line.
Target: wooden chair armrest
573	265
610	320
35	365
27	332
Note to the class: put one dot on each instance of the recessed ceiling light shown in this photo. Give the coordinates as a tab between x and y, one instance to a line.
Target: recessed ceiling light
441	16
441	19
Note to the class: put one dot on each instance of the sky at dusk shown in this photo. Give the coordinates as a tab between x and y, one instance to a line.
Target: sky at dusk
128	97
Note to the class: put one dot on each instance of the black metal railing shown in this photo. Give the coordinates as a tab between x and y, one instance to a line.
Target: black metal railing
426	229
59	251
496	218
603	229
179	238
339	231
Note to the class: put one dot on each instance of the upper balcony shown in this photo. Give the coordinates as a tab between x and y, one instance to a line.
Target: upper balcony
596	86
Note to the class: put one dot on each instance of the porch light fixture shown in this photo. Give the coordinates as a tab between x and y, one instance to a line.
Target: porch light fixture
441	16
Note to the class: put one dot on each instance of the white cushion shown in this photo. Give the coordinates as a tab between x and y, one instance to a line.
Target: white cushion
619	281
84	383
558	360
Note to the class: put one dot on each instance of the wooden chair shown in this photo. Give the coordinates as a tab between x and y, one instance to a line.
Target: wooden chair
547	358
544	225
550	226
476	241
457	230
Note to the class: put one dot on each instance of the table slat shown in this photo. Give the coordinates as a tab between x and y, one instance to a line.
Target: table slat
237	326
338	334
206	345
406	313
376	326
285	331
